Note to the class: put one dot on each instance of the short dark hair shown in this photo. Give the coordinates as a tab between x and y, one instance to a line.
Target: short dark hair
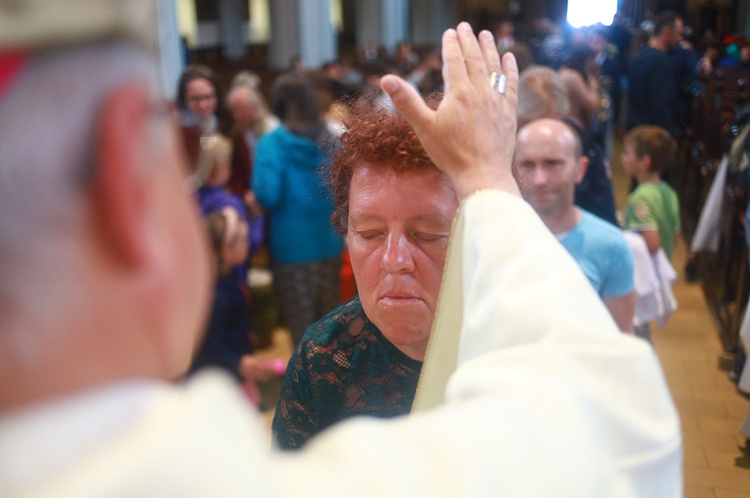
655	142
295	101
666	19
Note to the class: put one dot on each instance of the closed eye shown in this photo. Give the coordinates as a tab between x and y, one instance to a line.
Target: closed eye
430	237
368	234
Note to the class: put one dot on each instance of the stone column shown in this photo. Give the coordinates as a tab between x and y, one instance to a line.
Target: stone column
382	22
430	18
304	28
232	29
170	48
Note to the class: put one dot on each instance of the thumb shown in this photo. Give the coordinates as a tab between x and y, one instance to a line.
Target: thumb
408	101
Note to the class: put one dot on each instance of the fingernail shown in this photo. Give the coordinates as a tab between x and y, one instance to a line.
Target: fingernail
389	85
485	35
451	32
465	26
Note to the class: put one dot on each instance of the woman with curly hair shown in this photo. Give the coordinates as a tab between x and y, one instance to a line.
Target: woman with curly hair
396	209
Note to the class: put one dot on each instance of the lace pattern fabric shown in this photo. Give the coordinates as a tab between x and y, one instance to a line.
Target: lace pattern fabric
343	367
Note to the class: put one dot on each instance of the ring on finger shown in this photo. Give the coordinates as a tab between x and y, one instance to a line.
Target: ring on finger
497	82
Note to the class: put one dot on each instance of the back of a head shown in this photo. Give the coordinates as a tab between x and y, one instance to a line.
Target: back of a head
655	142
214	160
541	94
47	126
50	137
295	101
579	60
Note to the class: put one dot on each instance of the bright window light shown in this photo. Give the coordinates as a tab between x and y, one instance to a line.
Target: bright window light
587	12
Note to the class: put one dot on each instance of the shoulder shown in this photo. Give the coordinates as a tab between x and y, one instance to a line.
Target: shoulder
603	232
668	190
340	325
644	191
277	134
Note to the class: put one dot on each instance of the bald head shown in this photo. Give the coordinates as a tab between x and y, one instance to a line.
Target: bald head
551	129
548	165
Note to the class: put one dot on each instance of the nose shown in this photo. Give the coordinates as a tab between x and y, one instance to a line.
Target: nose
538	177
206	105
397	257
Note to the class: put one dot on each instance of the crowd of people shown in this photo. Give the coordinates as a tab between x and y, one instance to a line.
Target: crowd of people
505	191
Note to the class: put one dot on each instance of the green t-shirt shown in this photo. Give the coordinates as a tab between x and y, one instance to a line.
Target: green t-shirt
654	206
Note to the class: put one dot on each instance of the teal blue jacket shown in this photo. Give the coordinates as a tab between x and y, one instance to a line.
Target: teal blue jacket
288	180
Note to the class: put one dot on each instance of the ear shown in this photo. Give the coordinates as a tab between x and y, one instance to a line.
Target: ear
119	184
583	166
646	161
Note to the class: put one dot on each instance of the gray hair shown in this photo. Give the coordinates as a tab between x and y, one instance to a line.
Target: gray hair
48	136
541	94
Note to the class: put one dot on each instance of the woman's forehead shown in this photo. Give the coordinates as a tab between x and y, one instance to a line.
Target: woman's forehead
419	193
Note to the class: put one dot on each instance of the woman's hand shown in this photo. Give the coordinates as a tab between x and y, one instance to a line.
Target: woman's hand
471	136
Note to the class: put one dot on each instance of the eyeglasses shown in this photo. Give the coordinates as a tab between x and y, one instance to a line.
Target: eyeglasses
197	99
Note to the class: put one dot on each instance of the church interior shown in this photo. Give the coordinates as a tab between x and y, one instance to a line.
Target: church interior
699	347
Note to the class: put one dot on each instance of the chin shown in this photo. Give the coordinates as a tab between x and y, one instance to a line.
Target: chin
406	335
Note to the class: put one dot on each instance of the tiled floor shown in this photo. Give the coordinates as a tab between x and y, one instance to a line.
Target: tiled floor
710	407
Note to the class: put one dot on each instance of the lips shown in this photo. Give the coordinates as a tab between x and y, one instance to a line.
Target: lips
398	294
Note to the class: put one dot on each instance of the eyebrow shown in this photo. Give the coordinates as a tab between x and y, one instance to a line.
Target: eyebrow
430	218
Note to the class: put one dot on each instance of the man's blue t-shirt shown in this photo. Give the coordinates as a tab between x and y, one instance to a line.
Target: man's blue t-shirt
603	253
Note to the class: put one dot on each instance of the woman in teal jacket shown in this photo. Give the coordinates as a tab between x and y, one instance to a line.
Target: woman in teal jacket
288	180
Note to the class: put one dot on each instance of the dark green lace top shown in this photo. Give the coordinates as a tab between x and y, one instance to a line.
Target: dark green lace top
342	367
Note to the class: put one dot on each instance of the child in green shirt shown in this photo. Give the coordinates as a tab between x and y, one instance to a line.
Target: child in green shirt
653	209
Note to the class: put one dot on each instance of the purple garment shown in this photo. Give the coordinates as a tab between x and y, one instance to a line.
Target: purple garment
216	198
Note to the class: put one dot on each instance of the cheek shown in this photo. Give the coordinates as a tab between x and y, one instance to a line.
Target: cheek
364	261
432	263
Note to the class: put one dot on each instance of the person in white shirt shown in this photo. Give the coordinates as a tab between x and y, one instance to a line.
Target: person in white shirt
105	283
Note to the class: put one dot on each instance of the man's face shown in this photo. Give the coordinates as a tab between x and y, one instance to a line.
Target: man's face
675	34
546	166
200	97
243	111
399	225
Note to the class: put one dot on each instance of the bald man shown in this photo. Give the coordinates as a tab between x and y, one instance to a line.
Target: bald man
548	165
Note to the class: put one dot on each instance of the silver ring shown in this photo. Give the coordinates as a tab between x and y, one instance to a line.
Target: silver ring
497	82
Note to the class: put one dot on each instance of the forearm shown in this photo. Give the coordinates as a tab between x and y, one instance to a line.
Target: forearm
622	310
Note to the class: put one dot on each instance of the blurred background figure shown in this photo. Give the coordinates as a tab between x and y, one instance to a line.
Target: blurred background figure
504	36
288	182
228	342
198	97
251	119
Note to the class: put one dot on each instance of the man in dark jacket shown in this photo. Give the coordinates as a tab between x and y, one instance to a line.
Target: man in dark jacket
652	81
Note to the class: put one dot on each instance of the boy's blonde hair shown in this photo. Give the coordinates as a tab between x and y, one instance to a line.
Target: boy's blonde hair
654	141
216	150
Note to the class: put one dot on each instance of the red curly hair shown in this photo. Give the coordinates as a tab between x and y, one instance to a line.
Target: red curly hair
375	136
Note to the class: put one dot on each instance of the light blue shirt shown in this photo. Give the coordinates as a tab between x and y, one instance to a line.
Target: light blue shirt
602	252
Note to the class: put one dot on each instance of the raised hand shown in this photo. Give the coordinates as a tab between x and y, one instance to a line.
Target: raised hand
471	136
